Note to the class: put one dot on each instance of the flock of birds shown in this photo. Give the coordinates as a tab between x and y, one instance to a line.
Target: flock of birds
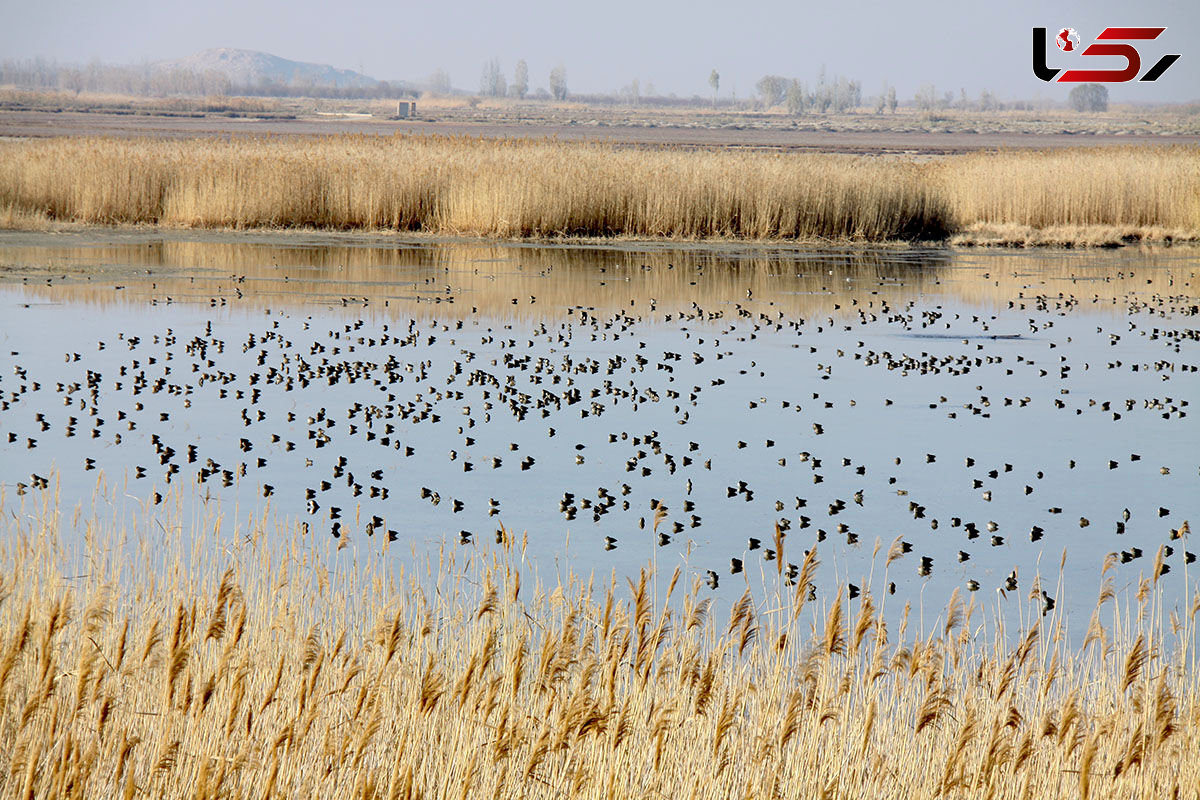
727	433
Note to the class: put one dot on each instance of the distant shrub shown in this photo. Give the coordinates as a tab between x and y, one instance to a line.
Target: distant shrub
1089	97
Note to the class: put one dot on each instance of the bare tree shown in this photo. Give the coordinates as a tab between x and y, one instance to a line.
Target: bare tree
714	80
558	82
439	82
796	98
891	99
520	84
771	89
72	80
492	81
926	97
823	94
1089	97
632	92
844	94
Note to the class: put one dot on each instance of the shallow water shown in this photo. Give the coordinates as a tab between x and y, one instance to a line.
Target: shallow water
949	400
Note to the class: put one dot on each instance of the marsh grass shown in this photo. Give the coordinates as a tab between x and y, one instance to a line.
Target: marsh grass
183	655
1090	197
532	189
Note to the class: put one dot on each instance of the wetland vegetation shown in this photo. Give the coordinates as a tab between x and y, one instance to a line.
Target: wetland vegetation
197	657
546	189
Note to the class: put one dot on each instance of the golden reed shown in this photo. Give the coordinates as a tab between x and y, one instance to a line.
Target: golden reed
530	189
164	657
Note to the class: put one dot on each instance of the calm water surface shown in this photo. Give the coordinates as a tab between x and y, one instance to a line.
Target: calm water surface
985	414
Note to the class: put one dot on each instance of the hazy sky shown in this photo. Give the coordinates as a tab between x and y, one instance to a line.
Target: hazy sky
605	45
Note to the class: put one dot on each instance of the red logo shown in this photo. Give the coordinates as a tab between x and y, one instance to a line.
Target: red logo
1111	42
1067	40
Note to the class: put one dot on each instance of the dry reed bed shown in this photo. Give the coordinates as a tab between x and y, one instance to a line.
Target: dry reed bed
257	663
1077	196
465	186
541	189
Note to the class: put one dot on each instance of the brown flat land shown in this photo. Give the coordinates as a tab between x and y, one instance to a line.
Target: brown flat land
863	135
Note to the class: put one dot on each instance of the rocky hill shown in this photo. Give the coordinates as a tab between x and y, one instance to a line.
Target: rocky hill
254	68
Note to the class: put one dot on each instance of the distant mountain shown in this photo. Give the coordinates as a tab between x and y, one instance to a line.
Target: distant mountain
253	68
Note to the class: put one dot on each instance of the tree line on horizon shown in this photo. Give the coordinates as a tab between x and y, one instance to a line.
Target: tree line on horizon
836	94
827	94
148	80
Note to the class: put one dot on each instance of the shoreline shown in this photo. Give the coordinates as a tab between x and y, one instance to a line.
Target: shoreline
994	237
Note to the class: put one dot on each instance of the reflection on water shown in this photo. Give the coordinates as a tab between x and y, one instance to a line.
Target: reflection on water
457	279
985	412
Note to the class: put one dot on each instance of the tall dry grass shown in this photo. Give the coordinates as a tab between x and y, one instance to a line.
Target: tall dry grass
1089	196
464	186
177	659
539	189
